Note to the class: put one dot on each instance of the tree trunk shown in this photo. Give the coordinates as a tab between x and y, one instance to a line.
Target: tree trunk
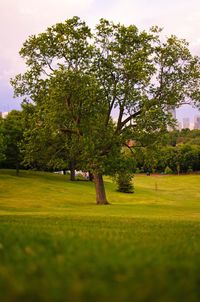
72	171
91	177
100	189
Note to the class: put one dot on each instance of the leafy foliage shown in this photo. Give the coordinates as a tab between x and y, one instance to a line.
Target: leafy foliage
178	151
2	141
124	182
13	134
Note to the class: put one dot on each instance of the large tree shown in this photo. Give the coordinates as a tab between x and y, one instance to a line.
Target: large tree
81	80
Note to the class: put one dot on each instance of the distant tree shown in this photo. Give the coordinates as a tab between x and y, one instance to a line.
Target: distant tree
190	158
189	136
13	133
2	141
171	138
132	73
168	170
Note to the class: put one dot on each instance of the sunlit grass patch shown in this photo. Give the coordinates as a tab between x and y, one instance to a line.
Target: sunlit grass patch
57	245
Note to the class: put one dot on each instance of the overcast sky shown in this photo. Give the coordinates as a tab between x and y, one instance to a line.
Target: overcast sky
22	18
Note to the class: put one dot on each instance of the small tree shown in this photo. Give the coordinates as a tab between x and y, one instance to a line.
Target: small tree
125	182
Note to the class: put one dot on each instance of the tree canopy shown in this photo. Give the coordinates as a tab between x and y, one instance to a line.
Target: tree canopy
101	88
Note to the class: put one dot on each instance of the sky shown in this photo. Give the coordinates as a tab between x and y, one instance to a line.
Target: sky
22	18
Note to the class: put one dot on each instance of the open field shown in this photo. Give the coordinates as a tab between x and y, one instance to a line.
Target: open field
57	245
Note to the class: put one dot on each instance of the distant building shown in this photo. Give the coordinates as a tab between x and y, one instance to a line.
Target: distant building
172	110
186	123
179	125
197	122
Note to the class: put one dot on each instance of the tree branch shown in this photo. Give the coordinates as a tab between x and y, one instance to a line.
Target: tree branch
128	119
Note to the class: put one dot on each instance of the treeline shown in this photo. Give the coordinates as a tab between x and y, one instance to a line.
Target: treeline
172	152
177	152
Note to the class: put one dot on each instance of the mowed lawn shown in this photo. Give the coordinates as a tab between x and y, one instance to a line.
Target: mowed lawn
57	245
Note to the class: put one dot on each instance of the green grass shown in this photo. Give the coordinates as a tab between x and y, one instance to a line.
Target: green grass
57	245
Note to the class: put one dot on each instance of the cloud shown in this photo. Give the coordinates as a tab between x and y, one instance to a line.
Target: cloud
179	17
48	12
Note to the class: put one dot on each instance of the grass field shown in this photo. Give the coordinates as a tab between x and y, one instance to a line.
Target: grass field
57	245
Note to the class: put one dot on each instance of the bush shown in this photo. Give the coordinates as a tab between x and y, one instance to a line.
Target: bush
124	183
168	170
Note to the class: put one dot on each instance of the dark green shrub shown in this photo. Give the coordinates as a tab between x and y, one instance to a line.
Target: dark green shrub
124	183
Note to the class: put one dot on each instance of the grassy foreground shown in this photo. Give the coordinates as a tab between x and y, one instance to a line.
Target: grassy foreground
57	245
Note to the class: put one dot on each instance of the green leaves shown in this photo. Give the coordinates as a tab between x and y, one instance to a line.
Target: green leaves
64	44
11	133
